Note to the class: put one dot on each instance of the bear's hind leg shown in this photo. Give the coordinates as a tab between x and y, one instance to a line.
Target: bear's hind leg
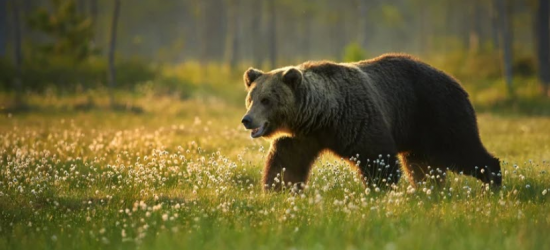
374	153
419	169
380	171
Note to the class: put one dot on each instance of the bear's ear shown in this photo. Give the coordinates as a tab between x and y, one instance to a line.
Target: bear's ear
292	77
250	76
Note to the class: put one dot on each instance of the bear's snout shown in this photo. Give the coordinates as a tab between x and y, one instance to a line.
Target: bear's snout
247	121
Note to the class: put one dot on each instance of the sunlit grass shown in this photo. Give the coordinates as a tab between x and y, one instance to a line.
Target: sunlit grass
184	175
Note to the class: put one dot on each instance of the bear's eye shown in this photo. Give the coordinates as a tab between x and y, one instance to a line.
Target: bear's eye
265	101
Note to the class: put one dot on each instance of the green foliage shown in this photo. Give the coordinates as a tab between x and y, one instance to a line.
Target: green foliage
486	64
169	85
524	66
7	74
354	52
468	67
391	16
62	74
209	80
71	33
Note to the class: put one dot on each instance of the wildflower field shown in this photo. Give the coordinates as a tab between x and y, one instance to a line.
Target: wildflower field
185	175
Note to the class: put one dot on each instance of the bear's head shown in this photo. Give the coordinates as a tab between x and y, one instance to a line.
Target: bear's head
271	101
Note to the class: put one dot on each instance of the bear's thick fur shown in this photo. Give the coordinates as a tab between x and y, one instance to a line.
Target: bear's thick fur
371	113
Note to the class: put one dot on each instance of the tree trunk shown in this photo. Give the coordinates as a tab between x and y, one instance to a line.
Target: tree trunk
112	48
423	19
18	55
81	6
451	31
506	36
494	24
306	36
272	34
93	10
475	29
363	22
340	38
3	28
463	25
93	16
257	35
233	30
543	45
202	33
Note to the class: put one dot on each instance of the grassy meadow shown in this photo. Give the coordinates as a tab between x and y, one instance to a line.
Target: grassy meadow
120	125
183	174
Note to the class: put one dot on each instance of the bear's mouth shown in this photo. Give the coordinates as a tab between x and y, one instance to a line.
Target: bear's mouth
259	131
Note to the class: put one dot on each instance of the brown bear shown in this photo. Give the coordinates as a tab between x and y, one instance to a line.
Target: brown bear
380	114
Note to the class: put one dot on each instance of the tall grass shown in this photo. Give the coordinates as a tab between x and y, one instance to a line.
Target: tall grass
184	175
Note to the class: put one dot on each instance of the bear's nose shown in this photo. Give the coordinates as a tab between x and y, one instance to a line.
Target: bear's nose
247	121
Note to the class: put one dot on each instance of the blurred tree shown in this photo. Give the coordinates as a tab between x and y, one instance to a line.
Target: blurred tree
425	26
3	27
26	11
506	37
81	6
201	18
542	43
392	20
112	49
93	17
462	19
272	33
256	34
362	14
307	19
233	33
18	54
447	26
209	36
71	31
494	23
333	26
475	26
353	53
305	11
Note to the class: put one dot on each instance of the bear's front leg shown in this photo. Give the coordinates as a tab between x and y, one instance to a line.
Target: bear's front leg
289	162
